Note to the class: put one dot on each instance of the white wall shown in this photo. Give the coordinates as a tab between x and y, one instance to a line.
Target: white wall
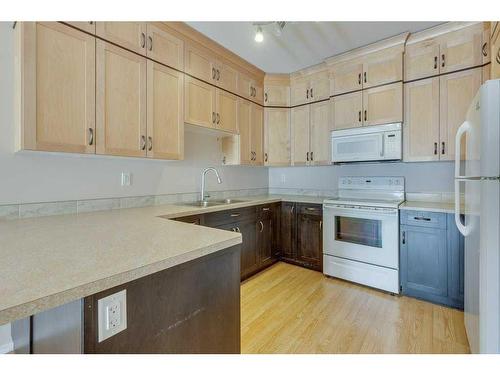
419	177
36	177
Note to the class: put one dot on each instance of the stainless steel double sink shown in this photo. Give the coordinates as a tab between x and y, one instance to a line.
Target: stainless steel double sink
214	202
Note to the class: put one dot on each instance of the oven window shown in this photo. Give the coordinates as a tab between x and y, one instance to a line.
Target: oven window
360	231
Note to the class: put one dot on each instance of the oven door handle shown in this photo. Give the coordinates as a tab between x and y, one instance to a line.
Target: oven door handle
385	211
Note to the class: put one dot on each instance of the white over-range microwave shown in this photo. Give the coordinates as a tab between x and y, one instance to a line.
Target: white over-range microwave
371	143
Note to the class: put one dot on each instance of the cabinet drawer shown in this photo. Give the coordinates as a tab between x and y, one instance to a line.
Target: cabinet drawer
310	209
193	219
229	216
265	211
423	219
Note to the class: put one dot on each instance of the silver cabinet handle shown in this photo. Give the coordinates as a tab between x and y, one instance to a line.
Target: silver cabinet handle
435	62
150	43
307	94
150	141
442	148
311	90
312	155
238	229
310	209
421	218
497	58
213	117
261	226
213	73
143	142
218	118
265	209
307	156
442	60
321	225
234	215
291	210
359	116
91	22
265	97
359	79
366	114
265	157
435	148
403	239
143	40
364	76
484	49
218	74
91	136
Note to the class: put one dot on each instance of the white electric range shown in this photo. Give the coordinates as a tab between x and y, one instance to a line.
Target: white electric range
361	231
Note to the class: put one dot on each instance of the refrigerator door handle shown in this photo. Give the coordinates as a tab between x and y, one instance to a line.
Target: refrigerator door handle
465	127
461	130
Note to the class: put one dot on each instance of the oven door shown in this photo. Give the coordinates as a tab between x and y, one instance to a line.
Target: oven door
365	234
363	147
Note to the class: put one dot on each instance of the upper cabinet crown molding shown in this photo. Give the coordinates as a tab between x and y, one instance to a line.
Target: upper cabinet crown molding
438	30
397	42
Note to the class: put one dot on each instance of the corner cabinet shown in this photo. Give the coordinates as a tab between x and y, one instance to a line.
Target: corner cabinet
431	257
277	146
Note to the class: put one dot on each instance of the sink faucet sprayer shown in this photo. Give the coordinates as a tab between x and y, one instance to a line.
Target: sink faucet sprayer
219	180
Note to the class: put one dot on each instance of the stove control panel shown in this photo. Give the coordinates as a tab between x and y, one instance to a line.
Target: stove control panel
372	183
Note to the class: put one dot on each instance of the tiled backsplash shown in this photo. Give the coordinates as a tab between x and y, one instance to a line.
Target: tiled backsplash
15	211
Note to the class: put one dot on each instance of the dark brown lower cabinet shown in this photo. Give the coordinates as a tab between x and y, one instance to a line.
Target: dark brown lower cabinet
190	308
302	234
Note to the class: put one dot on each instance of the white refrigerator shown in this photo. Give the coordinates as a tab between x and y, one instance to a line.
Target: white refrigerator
477	171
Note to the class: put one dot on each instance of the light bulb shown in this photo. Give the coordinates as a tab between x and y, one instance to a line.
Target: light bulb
259	35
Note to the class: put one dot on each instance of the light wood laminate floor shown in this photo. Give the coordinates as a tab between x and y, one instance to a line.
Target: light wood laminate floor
289	309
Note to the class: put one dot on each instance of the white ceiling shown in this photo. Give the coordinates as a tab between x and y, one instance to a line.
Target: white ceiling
301	44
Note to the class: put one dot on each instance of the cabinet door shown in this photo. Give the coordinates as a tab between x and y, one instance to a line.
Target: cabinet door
257	133
226	77
245	86
121	101
278	96
320	133
249	252
244	125
455	263
199	102
287	230
310	236
346	110
299	91
227	110
164	47
300	135
347	78
461	49
130	35
421	133
59	88
87	26
165	118
422	59
383	104
495	53
277	136
258	94
382	68
199	63
424	263
319	87
265	232
456	93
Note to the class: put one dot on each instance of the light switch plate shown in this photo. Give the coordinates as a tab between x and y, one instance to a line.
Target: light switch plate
126	179
112	315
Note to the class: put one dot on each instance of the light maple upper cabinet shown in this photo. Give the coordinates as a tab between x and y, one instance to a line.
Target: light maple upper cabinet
226	77
164	47
199	103
383	104
120	101
277	136
58	88
130	35
309	88
199	62
277	90
461	49
347	77
444	49
495	50
226	111
347	110
456	93
421	121
257	130
320	140
250	88
300	135
87	26
383	67
165	116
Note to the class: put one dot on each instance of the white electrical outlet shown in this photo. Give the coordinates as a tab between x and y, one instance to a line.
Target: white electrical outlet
112	315
126	179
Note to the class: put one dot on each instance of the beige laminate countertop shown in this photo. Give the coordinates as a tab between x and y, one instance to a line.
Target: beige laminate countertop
49	261
445	207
